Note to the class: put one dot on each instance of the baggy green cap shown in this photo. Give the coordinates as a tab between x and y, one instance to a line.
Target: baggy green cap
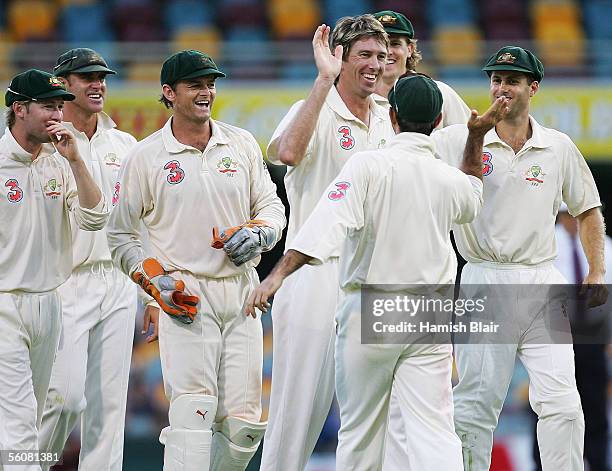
515	58
416	98
395	23
34	85
80	60
186	65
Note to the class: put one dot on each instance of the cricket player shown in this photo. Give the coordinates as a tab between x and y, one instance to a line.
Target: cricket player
314	140
46	187
197	181
403	58
528	171
91	369
359	213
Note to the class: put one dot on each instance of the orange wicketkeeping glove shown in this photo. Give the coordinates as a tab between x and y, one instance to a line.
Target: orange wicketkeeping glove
220	238
168	292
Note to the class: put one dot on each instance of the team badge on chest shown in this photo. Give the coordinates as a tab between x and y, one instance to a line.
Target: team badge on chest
487	164
53	189
347	141
177	174
15	193
535	175
227	166
112	160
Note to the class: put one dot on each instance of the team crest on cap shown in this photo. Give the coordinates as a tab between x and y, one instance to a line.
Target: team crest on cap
227	166
387	20
487	164
506	58
535	175
55	82
53	189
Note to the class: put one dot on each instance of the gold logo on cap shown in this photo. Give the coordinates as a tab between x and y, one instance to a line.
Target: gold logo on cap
506	57
95	57
387	19
55	82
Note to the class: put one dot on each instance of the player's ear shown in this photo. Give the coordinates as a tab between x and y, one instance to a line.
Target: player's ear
438	120
534	87
168	92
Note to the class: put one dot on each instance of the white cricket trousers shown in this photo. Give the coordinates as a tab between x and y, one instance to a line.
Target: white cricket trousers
30	324
303	335
365	374
91	371
221	352
485	372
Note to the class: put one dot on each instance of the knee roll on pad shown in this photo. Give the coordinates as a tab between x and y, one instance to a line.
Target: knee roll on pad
188	439
234	443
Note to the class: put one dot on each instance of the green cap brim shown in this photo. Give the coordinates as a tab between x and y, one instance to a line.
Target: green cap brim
90	68
492	68
203	73
67	96
399	32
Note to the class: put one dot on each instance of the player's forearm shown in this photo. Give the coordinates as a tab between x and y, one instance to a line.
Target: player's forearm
294	140
290	262
592	230
472	155
89	193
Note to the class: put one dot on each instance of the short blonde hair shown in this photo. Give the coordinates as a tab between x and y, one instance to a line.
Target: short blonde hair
350	29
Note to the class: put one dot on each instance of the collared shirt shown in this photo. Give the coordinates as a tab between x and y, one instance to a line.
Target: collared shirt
391	211
522	194
454	109
36	198
181	193
103	154
337	136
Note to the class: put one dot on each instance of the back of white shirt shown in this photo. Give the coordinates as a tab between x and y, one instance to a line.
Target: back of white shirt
391	210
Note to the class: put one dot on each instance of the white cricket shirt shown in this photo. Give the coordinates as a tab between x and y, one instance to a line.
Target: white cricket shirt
391	211
36	198
180	194
338	135
522	194
103	155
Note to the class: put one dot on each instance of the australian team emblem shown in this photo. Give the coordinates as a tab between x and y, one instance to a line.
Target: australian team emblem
227	166
535	175
53	189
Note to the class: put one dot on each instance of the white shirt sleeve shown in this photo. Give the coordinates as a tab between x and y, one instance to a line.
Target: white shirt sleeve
579	189
134	201
88	219
468	198
339	210
272	150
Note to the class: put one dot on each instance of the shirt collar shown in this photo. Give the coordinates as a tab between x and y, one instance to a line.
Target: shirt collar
337	105
18	153
173	146
104	123
538	139
414	140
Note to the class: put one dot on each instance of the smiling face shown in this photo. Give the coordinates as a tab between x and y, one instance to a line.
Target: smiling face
516	86
400	50
89	88
34	117
363	66
192	99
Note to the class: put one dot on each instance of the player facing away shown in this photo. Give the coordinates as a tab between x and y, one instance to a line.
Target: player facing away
315	139
528	171
403	58
46	186
359	215
90	373
187	182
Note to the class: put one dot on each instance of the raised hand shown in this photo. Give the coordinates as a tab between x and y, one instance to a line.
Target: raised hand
328	63
63	140
481	124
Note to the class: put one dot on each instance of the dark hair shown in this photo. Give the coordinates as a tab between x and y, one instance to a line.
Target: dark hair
411	126
164	101
10	114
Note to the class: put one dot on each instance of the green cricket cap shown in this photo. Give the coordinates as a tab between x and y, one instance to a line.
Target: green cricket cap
416	98
395	23
35	85
186	65
80	60
515	58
